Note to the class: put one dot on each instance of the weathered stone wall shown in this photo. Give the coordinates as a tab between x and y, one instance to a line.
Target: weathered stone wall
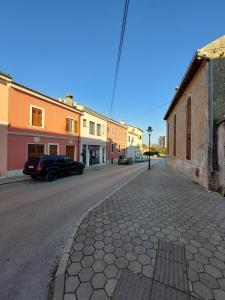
197	167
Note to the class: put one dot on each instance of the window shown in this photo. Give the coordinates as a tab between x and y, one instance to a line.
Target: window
91	127
112	130
112	148
84	123
37	117
53	149
168	137
71	125
35	150
188	129
129	139
99	129
174	135
119	148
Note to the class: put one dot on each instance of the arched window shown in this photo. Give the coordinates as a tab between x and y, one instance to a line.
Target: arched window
188	129
174	135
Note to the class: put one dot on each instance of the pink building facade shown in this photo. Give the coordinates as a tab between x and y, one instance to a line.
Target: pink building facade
116	140
33	124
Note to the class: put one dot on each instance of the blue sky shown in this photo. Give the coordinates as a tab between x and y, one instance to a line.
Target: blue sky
71	46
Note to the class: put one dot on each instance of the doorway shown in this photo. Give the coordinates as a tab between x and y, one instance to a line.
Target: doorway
70	152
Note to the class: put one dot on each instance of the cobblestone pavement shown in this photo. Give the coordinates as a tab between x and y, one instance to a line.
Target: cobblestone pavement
159	237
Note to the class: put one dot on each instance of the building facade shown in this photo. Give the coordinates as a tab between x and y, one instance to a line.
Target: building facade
93	137
134	142
33	124
116	140
195	118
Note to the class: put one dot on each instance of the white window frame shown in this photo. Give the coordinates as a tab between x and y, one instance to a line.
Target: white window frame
72	132
43	116
85	122
99	126
35	144
53	144
94	131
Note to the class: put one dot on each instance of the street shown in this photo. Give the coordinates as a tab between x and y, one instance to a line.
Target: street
36	219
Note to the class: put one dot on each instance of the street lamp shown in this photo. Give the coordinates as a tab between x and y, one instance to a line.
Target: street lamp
149	134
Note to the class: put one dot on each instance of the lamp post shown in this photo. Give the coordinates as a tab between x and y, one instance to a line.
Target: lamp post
149	135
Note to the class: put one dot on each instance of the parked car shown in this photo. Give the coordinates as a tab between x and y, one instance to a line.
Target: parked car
123	160
140	159
52	166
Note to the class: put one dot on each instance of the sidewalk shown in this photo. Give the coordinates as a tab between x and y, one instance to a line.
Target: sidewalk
159	237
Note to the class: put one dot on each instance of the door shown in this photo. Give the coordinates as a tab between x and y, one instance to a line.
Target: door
35	150
70	152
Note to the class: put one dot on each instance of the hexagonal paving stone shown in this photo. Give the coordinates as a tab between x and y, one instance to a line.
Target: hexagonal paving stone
196	266
84	291
222	283
87	261
212	270
119	252
117	243
99	295
135	266
78	246
217	263
98	245
201	258
148	271
88	250
111	271
147	244
202	290
69	297
86	274
72	282
191	249
109	258
205	252
208	280
139	249
98	281
74	269
98	266
76	256
121	262
144	259
192	275
109	248
98	254
219	294
110	286
131	255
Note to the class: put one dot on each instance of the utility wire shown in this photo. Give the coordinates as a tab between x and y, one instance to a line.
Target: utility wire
123	28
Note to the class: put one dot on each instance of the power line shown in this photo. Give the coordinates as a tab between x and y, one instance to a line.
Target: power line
123	27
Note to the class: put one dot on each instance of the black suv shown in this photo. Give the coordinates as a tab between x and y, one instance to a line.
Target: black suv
52	166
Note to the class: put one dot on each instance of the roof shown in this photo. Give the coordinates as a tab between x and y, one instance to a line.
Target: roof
211	50
48	97
191	71
93	112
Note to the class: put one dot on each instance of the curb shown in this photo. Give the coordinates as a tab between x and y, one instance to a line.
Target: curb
61	272
9	181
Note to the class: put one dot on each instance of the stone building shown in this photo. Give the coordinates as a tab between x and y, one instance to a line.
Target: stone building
196	119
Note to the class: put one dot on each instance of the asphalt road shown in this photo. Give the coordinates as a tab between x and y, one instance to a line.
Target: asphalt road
36	219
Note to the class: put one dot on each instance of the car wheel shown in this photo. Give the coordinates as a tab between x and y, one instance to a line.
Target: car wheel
33	176
51	175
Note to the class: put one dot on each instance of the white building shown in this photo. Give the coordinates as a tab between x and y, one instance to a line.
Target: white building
134	141
93	137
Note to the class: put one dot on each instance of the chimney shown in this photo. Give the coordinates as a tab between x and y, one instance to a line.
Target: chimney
69	100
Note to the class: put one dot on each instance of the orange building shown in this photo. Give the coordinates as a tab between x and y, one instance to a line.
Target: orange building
33	124
117	140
